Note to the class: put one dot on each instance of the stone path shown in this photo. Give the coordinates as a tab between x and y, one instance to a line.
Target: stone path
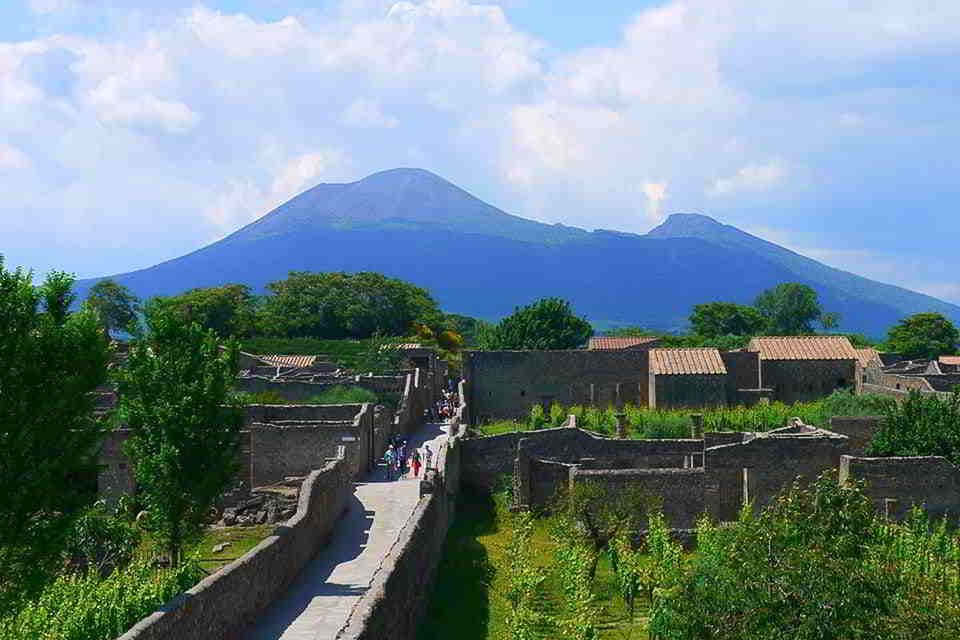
318	603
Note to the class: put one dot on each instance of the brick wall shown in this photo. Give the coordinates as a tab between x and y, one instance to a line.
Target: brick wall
506	384
224	603
930	481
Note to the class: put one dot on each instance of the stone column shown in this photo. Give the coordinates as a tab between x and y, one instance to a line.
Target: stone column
621	425
696	430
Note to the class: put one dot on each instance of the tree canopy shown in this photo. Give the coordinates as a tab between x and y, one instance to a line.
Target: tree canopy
229	310
923	335
791	308
548	323
183	441
714	319
115	304
345	305
50	363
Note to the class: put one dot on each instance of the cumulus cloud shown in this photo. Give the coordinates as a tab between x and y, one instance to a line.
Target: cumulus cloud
753	177
195	120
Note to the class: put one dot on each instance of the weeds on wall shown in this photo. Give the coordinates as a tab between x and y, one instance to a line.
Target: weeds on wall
644	422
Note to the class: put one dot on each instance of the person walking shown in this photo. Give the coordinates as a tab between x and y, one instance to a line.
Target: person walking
390	458
427	456
415	462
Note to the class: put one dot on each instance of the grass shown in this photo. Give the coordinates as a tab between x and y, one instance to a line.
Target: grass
241	539
645	422
335	395
468	600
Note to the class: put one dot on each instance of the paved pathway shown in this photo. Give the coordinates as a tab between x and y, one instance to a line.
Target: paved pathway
318	603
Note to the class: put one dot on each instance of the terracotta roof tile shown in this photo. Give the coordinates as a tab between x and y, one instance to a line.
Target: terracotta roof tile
950	360
803	348
868	356
289	361
606	342
686	362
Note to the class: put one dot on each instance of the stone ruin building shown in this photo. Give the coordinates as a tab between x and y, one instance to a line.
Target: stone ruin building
613	372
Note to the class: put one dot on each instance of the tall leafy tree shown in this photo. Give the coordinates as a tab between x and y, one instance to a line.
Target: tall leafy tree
923	335
714	319
791	308
548	323
229	310
50	362
345	305
184	439
115	304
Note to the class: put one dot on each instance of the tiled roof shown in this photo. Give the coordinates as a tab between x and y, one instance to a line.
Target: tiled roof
402	346
950	360
686	362
868	356
605	342
803	348
289	361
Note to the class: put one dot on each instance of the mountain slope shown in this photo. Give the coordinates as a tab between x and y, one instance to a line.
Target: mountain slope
478	260
692	225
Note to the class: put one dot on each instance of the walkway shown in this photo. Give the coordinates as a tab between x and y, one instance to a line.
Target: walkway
319	602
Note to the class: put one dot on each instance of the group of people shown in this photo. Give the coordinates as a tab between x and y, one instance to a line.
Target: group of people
444	408
402	460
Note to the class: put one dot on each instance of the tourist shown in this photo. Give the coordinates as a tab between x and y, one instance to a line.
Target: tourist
415	462
390	457
427	456
402	458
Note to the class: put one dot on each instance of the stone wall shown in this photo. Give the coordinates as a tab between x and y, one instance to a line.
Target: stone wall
896	484
486	459
222	604
859	430
806	380
506	384
743	372
115	478
265	413
679	492
397	598
676	391
771	461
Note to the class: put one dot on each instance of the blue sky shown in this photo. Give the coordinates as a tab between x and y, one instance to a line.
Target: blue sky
132	132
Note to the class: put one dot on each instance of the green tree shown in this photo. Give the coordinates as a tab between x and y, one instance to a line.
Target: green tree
714	319
923	335
921	425
183	438
230	310
115	304
791	309
548	323
344	305
50	362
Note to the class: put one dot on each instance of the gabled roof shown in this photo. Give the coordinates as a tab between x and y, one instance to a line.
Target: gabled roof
950	360
289	361
868	356
673	362
803	348
606	342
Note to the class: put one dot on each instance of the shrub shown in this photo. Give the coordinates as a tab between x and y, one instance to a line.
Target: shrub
344	395
922	425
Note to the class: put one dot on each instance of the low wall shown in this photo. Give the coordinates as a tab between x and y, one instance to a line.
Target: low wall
930	481
680	492
230	599
398	596
265	413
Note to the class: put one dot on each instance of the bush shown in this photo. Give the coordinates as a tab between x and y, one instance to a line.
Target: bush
922	425
100	541
344	395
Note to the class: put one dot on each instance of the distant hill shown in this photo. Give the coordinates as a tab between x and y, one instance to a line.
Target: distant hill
480	261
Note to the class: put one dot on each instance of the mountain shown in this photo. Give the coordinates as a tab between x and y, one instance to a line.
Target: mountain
480	261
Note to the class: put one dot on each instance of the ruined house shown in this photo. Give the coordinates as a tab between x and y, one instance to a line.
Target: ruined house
687	378
804	368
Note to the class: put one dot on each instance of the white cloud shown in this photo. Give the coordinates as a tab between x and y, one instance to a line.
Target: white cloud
13	158
202	119
753	177
367	114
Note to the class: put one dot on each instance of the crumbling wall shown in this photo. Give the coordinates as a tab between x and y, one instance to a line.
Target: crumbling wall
859	430
678	492
224	603
506	384
266	413
806	380
677	391
896	484
743	372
